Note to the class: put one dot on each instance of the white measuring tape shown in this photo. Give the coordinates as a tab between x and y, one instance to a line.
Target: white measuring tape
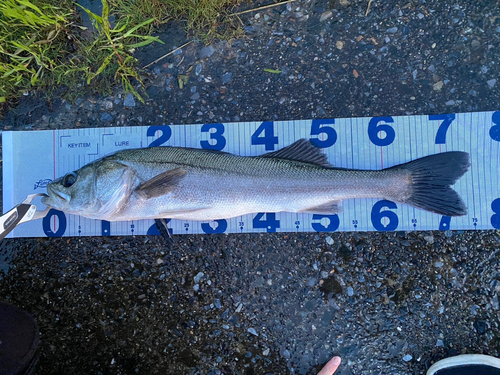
31	159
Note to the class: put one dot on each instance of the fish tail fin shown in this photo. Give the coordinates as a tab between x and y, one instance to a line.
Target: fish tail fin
431	180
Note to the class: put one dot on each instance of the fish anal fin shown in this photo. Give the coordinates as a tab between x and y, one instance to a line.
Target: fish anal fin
161	184
329	208
302	150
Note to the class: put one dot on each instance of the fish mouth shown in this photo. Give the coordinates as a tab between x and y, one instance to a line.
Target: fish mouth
55	198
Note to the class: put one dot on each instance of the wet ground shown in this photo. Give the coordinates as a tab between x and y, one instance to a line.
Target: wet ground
388	303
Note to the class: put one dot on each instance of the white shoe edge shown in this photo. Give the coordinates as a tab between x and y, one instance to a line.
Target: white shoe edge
464	359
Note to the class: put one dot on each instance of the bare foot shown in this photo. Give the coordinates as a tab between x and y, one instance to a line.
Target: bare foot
331	366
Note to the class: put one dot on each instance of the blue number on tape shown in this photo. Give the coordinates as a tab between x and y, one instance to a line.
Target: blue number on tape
165	135
269	223
374	131
495	219
60	224
220	141
443	127
105	228
320	127
444	224
495	130
474	222
220	228
268	139
325	223
378	214
153	229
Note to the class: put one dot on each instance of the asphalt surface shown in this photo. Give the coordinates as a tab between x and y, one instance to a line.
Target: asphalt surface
388	303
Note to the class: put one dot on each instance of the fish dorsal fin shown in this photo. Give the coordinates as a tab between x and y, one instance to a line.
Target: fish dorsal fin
302	150
160	185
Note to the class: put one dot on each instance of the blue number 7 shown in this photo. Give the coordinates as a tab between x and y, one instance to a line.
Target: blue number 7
443	127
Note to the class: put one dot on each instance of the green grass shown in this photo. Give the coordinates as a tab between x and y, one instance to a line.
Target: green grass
43	45
33	42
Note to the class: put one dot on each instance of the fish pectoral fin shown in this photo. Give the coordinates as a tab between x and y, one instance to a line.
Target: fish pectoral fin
329	208
160	185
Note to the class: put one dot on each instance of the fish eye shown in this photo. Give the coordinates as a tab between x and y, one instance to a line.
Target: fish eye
69	179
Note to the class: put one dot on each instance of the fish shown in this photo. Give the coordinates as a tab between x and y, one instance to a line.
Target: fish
197	184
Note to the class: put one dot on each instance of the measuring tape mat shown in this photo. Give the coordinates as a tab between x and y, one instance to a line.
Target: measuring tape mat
31	159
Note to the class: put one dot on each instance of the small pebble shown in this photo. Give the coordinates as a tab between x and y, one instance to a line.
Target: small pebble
253	331
325	15
481	326
129	101
429	239
491	82
106	117
198	69
350	291
226	77
438	86
329	240
407	358
217	303
207	51
198	277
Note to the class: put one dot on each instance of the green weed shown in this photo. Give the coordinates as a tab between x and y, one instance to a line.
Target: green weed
42	44
117	44
33	43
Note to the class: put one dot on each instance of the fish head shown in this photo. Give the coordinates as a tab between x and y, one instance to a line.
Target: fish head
96	190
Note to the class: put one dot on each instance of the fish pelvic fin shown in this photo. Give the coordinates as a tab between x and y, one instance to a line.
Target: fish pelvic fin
162	226
329	208
161	184
431	180
302	150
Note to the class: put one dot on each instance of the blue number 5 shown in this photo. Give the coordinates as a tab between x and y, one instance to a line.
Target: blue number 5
317	129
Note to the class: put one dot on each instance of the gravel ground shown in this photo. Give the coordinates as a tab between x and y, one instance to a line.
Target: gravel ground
388	303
